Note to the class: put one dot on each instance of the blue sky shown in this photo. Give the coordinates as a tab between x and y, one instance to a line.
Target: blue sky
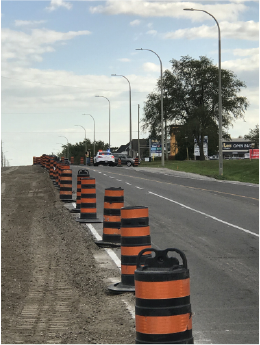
57	55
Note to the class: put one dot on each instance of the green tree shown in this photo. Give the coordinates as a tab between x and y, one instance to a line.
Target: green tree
254	136
191	99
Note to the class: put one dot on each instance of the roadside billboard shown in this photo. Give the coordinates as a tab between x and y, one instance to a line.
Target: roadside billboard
254	153
205	147
155	148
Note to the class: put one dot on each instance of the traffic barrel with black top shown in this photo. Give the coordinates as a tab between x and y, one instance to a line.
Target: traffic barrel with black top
162	291
119	164
81	173
135	236
66	185
81	160
113	202
88	206
136	162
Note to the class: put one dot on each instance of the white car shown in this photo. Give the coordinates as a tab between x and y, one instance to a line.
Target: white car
105	158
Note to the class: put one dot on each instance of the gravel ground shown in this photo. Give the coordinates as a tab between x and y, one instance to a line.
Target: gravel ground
53	289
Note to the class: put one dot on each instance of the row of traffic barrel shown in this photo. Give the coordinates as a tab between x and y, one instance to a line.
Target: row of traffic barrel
159	278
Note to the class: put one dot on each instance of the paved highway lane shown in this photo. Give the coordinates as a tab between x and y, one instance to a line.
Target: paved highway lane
216	224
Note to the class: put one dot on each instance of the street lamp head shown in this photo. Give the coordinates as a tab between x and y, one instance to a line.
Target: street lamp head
139	49
113	75
97	96
189	9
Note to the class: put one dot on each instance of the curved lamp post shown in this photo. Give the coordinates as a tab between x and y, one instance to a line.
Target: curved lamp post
162	136
130	112
85	136
94	133
109	121
219	89
62	136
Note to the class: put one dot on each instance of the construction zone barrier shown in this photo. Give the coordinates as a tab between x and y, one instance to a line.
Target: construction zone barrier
136	162
71	160
81	160
88	207
162	290
66	185
119	164
81	174
135	236
91	161
113	202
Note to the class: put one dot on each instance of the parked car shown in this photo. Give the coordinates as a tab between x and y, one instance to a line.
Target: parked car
124	159
104	158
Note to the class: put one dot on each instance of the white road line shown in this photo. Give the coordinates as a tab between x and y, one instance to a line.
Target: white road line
118	180
111	176
207	215
109	251
138	187
129	183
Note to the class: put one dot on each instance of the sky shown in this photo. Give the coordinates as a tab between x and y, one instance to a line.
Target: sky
58	55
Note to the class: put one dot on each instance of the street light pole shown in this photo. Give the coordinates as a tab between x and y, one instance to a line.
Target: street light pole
130	112
162	124
61	136
109	120
94	133
219	89
85	137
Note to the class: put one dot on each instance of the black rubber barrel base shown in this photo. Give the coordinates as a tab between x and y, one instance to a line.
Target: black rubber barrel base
75	210
105	244
89	220
67	200
121	288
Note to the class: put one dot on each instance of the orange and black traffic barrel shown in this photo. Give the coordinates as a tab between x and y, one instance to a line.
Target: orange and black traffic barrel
81	160
91	161
119	163
136	162
66	185
72	160
135	236
162	291
88	206
52	168
81	173
113	202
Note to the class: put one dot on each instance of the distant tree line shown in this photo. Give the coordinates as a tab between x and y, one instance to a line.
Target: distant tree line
190	100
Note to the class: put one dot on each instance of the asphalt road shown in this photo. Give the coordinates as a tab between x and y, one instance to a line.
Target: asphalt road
216	224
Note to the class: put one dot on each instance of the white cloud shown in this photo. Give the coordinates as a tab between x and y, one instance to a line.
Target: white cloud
135	22
28	22
58	3
152	32
223	11
246	52
24	48
151	67
237	30
124	60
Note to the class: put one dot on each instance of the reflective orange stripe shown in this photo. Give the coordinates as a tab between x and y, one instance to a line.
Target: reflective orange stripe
162	290
88	210
65	192
163	324
88	191
114	205
127	269
111	231
114	193
135	213
112	218
140	231
88	200
133	250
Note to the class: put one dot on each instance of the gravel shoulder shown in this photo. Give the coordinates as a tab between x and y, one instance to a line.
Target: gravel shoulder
53	289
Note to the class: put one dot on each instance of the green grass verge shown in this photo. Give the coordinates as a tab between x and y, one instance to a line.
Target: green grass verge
242	170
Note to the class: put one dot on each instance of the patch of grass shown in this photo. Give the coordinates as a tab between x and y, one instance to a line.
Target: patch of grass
242	170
